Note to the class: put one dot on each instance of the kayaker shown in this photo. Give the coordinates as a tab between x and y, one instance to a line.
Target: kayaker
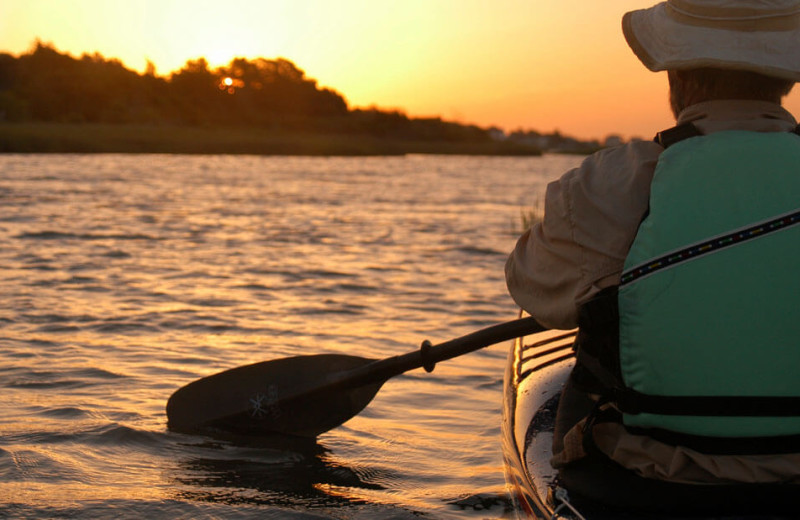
677	259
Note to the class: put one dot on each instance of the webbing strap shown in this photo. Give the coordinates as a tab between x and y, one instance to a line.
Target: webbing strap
667	138
632	402
776	444
710	246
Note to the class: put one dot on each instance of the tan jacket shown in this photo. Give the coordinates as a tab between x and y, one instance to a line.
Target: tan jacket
592	214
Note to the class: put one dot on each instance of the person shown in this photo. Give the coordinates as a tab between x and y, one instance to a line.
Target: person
676	259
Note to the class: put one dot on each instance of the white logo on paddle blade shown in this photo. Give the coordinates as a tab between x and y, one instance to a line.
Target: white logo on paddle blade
263	405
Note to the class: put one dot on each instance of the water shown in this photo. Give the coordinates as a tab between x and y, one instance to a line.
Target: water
125	277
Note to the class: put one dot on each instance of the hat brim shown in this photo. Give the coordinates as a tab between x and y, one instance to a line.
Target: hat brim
663	43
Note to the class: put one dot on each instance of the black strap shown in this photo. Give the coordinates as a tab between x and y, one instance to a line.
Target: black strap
722	445
670	136
633	402
597	344
667	138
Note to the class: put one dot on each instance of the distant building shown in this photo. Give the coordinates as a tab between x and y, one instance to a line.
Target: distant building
497	134
559	143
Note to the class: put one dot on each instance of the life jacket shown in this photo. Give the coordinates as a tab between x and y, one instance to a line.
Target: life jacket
702	336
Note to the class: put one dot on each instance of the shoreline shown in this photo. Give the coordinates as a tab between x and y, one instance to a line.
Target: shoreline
235	140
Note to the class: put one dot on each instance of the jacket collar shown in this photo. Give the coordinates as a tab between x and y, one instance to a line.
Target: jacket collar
719	115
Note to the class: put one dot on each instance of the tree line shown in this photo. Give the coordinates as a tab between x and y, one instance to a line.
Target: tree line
45	85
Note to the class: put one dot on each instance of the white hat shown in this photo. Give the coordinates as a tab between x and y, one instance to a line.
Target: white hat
758	35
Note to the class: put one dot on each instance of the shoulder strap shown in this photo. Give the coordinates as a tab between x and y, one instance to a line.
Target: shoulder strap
670	136
667	138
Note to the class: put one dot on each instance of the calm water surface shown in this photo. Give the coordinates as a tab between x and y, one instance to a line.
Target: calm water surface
125	277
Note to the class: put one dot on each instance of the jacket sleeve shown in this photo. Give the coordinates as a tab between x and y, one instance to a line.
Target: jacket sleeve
591	216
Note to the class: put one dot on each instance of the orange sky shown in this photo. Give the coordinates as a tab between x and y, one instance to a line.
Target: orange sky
512	63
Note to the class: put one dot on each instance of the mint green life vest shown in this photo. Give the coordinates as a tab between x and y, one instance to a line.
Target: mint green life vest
709	303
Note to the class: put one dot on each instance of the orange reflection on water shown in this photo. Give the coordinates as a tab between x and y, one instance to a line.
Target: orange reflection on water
86	485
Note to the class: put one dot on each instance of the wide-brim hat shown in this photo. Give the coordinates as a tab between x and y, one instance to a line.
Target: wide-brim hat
758	35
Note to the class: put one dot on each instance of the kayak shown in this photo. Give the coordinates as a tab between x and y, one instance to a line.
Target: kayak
535	375
538	367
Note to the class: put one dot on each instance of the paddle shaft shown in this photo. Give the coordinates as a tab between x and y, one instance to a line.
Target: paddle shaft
429	355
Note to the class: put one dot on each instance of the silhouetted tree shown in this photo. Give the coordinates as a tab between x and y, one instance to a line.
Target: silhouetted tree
46	85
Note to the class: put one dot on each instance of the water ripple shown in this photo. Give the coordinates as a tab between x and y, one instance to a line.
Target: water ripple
34	465
60	235
67	412
50	379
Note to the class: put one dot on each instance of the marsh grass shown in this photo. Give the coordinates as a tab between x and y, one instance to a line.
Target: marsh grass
528	217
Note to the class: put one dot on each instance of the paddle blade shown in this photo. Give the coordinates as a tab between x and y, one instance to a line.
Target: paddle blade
288	396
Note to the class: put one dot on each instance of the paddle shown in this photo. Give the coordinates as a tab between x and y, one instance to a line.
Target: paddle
309	395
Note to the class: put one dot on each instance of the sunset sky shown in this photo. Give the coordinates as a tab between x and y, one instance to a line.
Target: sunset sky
512	63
